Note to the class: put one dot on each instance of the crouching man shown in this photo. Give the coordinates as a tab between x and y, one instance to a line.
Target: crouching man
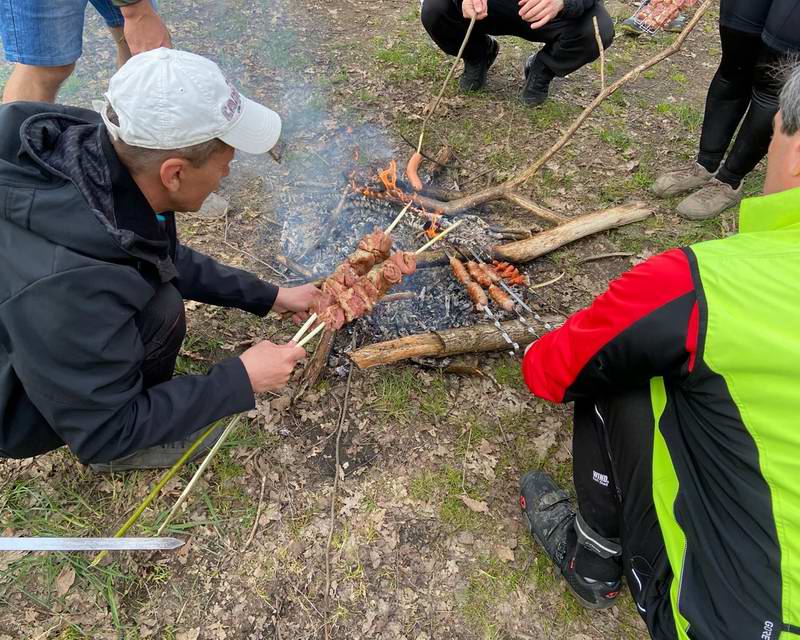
686	446
565	27
93	277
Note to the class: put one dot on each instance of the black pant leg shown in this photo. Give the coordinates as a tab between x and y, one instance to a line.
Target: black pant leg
569	43
728	95
752	141
162	325
628	419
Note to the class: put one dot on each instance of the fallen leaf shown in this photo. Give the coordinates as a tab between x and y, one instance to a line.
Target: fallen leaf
474	505
64	580
7	558
504	553
191	634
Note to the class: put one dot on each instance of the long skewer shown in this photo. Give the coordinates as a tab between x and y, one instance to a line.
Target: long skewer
438	237
301	331
316	330
397	220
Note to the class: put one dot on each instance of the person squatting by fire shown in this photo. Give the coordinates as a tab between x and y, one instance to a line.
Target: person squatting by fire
685	445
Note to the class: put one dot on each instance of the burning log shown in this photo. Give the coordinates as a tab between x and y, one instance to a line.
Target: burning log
449	342
575	229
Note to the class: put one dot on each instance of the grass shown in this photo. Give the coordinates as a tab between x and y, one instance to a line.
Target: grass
394	392
443	487
406	59
689	117
507	372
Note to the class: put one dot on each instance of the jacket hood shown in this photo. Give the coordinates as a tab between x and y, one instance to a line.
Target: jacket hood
59	180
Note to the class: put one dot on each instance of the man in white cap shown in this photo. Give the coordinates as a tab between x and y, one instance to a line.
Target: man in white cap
93	275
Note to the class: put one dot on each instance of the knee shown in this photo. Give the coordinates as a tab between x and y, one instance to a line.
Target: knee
50	77
433	14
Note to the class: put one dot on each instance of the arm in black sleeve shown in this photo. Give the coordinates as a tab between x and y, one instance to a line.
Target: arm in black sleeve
124	3
576	8
81	363
204	279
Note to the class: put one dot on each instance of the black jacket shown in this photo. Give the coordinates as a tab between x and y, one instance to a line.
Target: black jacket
81	254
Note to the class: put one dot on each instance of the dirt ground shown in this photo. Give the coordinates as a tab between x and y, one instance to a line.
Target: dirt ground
409	556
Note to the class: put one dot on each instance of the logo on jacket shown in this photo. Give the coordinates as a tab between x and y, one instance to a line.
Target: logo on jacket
600	478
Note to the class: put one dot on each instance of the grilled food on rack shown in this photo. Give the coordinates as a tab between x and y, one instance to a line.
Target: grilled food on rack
509	273
478	274
501	298
347	295
656	14
474	290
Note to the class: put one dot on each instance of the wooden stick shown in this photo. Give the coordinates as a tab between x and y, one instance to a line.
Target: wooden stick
316	330
536	209
602	51
156	490
301	331
577	228
397	220
475	339
444	84
438	237
199	473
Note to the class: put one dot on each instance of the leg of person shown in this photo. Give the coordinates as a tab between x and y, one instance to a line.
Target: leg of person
749	147
584	545
115	24
162	325
569	45
726	103
612	462
43	38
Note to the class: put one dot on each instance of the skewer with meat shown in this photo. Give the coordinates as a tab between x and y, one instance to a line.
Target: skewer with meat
372	249
501	298
509	273
344	299
474	290
478	274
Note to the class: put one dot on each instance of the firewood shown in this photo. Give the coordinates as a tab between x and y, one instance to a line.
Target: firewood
448	342
580	227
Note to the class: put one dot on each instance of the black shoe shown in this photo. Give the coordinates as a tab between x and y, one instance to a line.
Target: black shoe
474	76
537	82
551	518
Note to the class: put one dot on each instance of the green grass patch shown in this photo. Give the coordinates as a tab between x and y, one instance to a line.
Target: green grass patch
407	59
394	391
687	116
508	372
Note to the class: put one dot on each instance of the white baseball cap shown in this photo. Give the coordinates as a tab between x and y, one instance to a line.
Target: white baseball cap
168	99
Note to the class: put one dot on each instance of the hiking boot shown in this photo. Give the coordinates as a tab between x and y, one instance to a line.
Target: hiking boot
537	82
474	76
678	181
162	456
551	522
710	201
631	27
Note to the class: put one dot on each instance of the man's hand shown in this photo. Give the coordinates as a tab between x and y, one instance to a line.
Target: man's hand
477	8
297	300
539	12
270	365
144	29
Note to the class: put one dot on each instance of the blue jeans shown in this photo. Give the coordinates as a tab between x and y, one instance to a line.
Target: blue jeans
48	33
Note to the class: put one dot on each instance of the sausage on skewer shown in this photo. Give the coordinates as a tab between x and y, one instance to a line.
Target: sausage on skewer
501	298
477	274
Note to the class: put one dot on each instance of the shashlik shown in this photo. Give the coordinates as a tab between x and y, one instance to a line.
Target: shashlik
474	290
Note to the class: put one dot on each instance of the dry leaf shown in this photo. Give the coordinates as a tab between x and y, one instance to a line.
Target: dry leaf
504	553
7	558
64	580
191	634
474	505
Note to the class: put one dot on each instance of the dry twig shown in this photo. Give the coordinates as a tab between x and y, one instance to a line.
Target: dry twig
258	512
602	51
336	472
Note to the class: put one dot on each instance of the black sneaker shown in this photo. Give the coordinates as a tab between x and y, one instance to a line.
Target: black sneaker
474	76
537	82
551	517
161	456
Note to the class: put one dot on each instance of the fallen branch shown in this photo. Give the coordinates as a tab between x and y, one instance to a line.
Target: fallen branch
536	209
502	190
448	342
258	512
577	228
